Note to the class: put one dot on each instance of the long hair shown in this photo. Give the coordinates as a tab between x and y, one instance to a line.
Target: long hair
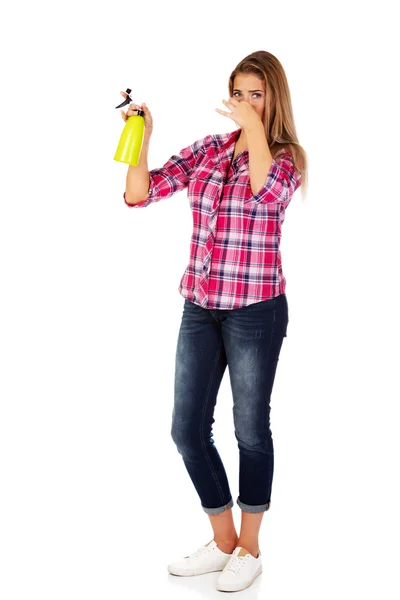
278	119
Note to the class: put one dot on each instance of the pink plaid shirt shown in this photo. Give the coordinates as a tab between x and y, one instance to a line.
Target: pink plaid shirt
235	258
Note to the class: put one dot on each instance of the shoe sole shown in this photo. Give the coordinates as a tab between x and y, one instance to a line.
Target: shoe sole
191	572
181	572
234	587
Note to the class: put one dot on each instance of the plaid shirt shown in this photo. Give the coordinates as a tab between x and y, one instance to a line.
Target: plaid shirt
235	258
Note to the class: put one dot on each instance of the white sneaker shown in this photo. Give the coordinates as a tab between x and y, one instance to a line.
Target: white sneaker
240	572
206	559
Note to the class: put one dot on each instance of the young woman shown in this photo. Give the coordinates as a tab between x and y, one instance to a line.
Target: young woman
235	309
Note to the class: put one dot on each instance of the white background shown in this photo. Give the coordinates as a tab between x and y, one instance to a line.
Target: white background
95	500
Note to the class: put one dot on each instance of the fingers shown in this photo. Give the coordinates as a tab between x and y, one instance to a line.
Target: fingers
132	110
135	106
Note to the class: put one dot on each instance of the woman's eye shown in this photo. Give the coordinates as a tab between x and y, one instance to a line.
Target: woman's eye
255	94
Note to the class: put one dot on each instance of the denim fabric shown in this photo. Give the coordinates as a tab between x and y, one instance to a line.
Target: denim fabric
247	339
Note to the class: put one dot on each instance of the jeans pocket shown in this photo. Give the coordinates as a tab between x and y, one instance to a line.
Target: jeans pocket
268	304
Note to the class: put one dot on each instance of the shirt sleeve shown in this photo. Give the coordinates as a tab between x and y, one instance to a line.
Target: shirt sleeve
282	181
173	176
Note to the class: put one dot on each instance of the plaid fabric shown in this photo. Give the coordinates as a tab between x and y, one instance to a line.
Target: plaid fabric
235	258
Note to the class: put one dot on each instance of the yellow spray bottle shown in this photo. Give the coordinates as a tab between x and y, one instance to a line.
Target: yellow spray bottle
131	140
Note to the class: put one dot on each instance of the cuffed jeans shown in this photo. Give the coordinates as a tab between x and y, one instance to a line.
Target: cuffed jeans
248	340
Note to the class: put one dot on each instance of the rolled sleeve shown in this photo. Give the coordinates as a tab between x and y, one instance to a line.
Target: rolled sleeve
173	176
148	200
282	181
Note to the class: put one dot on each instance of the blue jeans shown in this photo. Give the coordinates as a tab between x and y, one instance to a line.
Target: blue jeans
249	340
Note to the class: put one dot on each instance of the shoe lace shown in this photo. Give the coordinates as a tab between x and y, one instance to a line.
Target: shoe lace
199	552
235	563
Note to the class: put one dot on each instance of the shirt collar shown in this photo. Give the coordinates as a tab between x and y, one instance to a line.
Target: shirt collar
227	149
223	147
220	152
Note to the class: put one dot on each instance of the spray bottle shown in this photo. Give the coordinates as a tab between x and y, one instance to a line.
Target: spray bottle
131	140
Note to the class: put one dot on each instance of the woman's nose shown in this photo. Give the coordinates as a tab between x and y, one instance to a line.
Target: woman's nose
249	100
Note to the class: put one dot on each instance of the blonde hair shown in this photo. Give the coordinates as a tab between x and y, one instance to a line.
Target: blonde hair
279	124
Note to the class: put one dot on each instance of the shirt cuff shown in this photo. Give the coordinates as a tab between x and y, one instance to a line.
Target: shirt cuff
144	202
280	185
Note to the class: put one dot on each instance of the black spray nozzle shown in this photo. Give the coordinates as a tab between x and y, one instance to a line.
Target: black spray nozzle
127	100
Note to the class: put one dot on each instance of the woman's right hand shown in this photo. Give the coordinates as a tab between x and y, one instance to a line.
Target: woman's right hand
132	110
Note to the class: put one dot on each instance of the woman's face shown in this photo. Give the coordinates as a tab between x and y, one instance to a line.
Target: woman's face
250	88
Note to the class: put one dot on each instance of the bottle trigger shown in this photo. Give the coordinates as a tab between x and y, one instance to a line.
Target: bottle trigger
127	100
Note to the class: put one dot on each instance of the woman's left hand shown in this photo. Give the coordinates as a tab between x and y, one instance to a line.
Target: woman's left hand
242	113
